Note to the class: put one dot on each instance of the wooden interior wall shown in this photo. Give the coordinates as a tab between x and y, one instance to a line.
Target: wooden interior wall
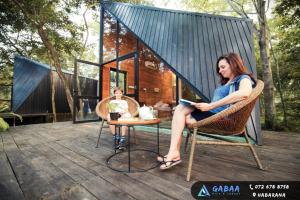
154	85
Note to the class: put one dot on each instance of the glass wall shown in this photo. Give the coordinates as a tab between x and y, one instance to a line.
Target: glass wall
156	82
157	85
87	87
127	41
122	81
109	39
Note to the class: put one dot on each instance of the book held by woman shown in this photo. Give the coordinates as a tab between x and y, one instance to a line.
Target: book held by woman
186	102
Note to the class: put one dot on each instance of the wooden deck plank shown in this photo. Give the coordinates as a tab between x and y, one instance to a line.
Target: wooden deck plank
61	158
71	155
244	157
39	178
65	169
31	182
1	143
128	184
104	190
183	172
84	145
80	175
240	154
278	160
84	149
123	182
74	171
104	168
171	189
9	187
90	146
77	192
234	155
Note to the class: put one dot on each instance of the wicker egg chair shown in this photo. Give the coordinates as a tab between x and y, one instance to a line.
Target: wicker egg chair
231	121
102	111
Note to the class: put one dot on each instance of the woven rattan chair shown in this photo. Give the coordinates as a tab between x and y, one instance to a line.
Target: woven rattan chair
231	121
102	111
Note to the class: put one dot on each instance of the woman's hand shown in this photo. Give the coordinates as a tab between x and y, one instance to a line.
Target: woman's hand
203	106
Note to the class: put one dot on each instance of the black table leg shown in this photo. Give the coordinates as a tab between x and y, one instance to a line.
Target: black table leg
115	141
129	170
128	148
158	138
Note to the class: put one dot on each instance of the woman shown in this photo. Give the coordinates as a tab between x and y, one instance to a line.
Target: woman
236	85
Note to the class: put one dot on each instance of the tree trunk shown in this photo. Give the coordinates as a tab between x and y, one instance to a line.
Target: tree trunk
53	95
279	88
78	71
57	65
79	94
267	72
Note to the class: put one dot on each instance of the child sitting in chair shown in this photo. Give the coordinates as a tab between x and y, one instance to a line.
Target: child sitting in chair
121	108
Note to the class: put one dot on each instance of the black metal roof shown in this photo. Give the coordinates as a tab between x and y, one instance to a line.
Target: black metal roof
189	43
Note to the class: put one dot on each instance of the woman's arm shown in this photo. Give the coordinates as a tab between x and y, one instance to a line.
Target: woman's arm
245	89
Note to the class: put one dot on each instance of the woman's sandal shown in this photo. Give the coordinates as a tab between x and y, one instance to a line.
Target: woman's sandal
165	164
161	158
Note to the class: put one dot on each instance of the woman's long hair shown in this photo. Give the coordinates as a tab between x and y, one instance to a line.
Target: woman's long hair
236	64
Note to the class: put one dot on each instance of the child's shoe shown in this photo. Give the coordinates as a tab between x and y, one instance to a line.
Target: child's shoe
115	142
122	143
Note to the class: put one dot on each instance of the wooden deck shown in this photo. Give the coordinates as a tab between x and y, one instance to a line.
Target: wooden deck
60	161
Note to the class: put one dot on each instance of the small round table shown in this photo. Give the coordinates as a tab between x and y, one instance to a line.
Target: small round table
132	123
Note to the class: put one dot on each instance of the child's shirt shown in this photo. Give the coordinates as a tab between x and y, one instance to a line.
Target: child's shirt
122	105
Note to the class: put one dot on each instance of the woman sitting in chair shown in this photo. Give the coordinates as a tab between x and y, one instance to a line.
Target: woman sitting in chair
236	85
122	109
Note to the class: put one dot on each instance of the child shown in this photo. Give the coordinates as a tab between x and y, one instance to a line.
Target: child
122	109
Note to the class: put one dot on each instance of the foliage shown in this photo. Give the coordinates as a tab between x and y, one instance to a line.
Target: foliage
210	6
144	2
3	124
42	30
19	35
286	37
19	22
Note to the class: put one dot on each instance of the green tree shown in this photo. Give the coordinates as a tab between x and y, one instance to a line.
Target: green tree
38	28
42	30
286	37
210	6
244	8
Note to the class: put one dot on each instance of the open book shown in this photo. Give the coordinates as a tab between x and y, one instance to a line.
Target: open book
186	102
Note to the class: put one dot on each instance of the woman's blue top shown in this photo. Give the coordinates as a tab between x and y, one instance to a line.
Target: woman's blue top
224	90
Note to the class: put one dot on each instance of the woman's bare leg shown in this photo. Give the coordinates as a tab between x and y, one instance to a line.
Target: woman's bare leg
188	120
178	124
